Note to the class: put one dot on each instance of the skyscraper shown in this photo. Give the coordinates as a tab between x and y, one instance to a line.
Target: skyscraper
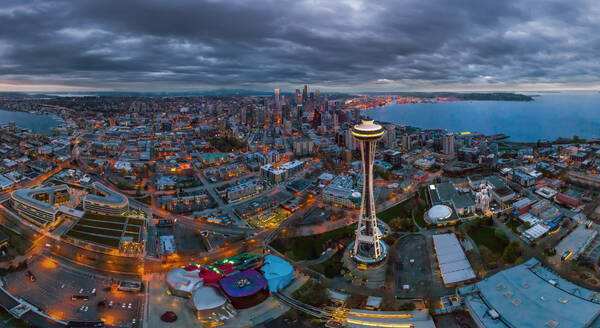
390	136
406	141
304	93
448	144
356	114
316	117
300	109
368	247
277	100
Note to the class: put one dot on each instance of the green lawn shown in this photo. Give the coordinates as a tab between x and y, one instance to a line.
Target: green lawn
330	268
106	241
484	236
397	211
407	209
310	247
418	214
100	217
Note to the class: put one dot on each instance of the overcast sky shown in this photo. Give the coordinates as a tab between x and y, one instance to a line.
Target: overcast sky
385	45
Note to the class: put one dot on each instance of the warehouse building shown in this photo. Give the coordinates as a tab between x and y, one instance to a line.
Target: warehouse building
452	261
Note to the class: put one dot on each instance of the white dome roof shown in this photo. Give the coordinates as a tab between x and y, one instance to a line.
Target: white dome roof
439	212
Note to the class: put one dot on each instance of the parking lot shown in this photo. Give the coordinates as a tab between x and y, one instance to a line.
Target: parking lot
54	286
413	267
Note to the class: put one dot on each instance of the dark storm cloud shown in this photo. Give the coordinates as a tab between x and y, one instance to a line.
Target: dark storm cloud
385	44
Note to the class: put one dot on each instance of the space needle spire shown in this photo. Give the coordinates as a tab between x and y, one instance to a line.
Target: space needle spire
368	246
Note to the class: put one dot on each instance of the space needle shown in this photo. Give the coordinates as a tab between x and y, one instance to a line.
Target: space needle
368	247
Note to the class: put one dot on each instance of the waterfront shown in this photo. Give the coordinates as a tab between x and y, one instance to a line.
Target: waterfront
550	116
38	123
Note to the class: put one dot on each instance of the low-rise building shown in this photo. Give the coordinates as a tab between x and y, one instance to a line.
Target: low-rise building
570	198
341	192
546	192
243	190
103	200
282	173
393	157
5	183
452	261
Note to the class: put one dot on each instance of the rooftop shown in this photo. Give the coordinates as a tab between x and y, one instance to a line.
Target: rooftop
454	265
528	295
107	196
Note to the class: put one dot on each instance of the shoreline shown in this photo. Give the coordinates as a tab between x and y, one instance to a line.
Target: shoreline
43	125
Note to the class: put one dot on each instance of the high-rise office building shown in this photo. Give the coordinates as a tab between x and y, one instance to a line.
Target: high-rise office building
243	115
300	113
336	122
305	93
406	141
390	137
368	247
448	144
277	100
356	114
316	121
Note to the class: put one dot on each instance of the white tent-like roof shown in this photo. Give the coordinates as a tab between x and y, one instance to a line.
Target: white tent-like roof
206	298
184	281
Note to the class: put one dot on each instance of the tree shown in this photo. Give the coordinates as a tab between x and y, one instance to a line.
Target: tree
487	256
400	224
396	224
500	234
527	225
511	252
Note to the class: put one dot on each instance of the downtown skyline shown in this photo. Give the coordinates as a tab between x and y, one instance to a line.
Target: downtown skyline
336	46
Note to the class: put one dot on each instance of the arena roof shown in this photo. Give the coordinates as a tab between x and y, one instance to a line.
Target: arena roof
528	295
439	212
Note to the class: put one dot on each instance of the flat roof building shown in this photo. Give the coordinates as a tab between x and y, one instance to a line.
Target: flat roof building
283	172
528	295
452	261
5	182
